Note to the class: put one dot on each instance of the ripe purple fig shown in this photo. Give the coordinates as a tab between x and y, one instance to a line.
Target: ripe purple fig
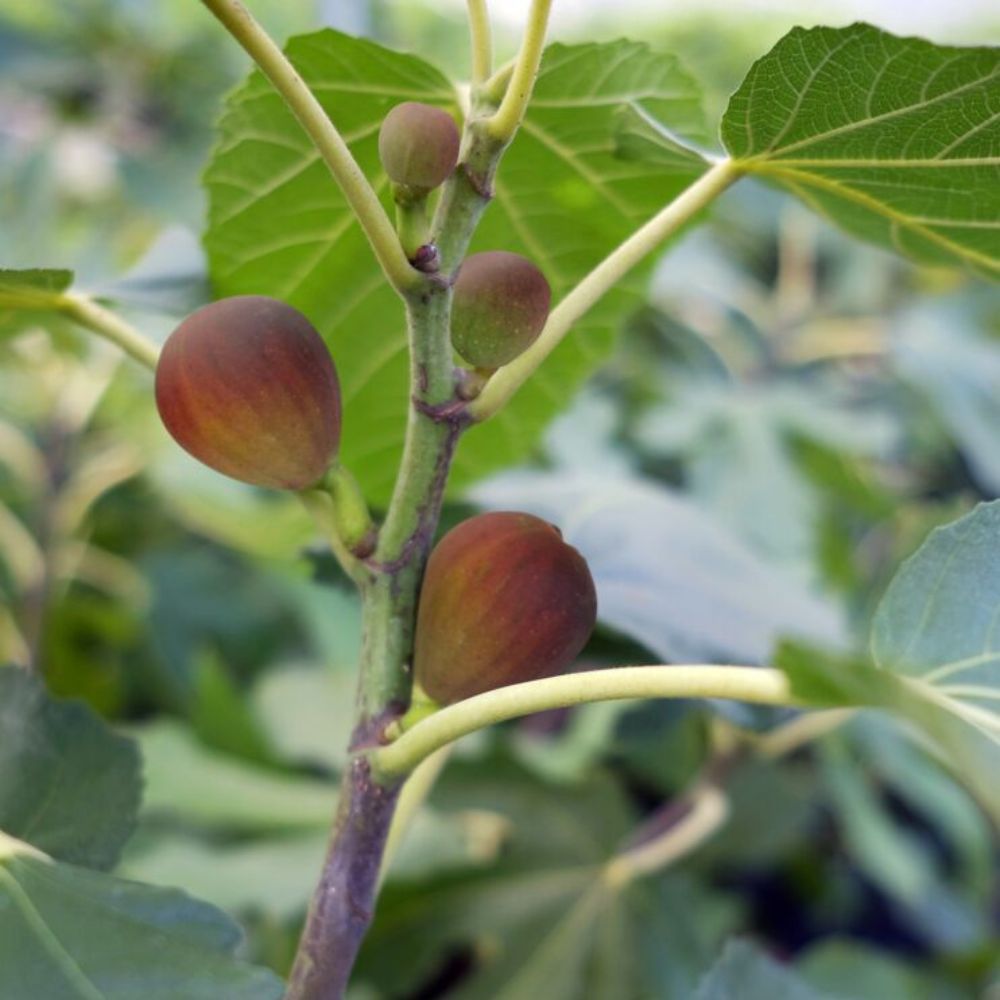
504	600
500	305
418	145
247	386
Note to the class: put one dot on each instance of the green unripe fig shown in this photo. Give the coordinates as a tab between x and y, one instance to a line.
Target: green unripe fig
418	145
504	600
247	386
500	305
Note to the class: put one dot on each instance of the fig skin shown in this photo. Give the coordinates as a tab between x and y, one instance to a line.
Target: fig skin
500	305
418	145
504	600
247	386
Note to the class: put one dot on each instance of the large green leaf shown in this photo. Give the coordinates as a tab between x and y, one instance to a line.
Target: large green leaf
895	139
70	934
68	785
278	224
935	652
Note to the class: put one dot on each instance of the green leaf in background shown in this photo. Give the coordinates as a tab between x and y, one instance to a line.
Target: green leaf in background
70	934
890	854
744	973
187	780
278	224
68	785
939	622
668	573
847	969
896	140
935	650
942	351
736	443
544	921
32	289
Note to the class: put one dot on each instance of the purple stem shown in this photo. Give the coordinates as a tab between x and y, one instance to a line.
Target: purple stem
342	906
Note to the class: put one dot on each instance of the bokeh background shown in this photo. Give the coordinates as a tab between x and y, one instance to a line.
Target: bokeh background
807	402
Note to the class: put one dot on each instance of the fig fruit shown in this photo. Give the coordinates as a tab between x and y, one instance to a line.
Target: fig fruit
504	600
418	145
247	386
500	305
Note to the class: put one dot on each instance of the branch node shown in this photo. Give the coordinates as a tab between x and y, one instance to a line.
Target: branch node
455	412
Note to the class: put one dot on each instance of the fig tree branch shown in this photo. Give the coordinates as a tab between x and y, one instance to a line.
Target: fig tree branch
84	310
505	122
753	684
328	141
482	41
602	279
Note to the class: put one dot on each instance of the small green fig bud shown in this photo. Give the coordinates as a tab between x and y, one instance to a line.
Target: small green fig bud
504	600
247	386
418	145
500	305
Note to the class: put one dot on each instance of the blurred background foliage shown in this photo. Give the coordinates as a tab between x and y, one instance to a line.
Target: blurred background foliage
789	413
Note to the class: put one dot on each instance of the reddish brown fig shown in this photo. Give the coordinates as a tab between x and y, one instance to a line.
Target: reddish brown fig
248	387
500	306
418	145
504	600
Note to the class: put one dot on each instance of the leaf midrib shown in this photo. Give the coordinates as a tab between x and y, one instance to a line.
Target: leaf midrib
778	171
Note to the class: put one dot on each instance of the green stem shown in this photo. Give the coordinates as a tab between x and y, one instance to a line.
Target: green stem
496	86
85	311
351	516
320	506
412	224
601	280
509	115
708	809
800	731
759	685
406	535
482	41
328	141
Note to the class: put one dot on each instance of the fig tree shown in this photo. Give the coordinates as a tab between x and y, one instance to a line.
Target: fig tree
500	305
247	386
504	600
418	145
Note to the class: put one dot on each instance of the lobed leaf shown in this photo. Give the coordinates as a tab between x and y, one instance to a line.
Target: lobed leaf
896	140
